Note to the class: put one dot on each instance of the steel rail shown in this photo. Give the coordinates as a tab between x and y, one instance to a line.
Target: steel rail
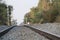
46	34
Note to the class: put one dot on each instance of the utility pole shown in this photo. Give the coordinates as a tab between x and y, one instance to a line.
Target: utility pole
7	16
26	20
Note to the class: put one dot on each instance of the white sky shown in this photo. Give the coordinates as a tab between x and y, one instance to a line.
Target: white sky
21	7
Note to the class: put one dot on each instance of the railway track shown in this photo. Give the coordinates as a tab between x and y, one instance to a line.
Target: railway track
4	29
27	33
48	35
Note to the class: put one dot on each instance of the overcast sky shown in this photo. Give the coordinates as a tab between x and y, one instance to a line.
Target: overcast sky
21	7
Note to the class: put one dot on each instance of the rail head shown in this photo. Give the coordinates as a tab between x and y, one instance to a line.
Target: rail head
5	30
49	35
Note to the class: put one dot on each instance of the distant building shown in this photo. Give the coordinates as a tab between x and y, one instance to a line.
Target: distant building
14	22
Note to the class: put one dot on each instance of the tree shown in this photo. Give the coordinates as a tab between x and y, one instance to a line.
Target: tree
3	13
47	11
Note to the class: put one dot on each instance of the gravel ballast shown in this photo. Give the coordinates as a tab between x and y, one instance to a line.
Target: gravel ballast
22	33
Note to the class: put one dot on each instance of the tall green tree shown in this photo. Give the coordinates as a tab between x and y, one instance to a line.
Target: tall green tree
5	14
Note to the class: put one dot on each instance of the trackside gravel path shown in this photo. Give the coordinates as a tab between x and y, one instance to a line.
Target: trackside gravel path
22	33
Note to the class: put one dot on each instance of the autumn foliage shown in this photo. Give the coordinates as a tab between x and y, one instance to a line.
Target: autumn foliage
47	11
